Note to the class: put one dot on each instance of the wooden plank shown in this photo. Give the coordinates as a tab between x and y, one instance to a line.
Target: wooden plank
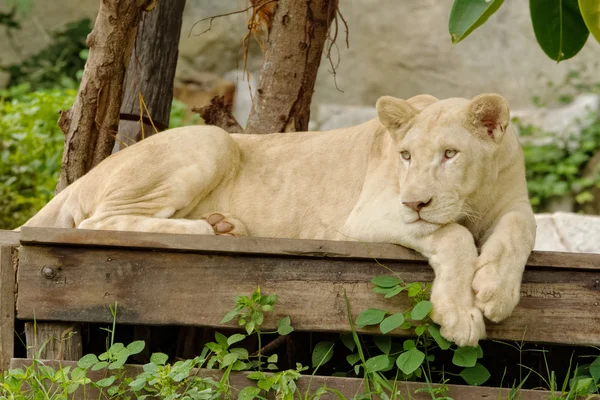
269	246
9	238
349	387
78	284
54	340
7	306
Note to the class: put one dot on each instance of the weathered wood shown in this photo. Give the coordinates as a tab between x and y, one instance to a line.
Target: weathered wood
78	284
91	123
151	72
7	306
9	238
53	341
349	387
219	113
269	246
293	53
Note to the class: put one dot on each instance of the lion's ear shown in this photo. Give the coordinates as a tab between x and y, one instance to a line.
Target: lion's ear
394	113
488	116
422	101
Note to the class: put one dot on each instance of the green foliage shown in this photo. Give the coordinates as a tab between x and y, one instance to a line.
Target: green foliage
58	65
30	150
561	26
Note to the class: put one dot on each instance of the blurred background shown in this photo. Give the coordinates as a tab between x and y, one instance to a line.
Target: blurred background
395	48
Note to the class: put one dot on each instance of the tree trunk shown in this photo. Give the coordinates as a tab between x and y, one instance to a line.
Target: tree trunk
151	72
91	124
292	56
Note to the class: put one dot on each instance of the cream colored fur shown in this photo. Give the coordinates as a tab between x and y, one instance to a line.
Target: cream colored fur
357	182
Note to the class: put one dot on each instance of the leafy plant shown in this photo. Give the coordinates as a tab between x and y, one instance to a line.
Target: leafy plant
561	26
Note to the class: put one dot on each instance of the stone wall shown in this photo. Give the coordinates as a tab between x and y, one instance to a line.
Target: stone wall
398	48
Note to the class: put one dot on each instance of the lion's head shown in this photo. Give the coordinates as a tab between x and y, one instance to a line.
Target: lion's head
446	150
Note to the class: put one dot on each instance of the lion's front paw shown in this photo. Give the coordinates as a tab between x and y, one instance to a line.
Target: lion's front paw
459	323
495	296
225	225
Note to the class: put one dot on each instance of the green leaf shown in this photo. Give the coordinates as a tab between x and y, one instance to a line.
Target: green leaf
159	358
409	344
229	359
372	316
120	361
468	15
378	363
348	341
136	347
383	343
590	11
87	361
559	27
476	375
595	370
465	357
393	292
420	330
138	384
410	360
238	337
229	316
479	352
414	289
322	353
250	327
353	358
284	326
434	330
386	281
221	339
106	382
116	348
420	310
77	374
272	359
392	322
248	393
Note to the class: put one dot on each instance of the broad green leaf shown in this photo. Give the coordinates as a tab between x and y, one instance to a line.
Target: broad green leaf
159	358
465	357
468	15
272	359
120	361
353	359
420	310
392	322
372	316
138	384
229	316
284	326
136	347
348	341
87	361
238	337
595	370
221	339
248	393
475	375
410	360
386	281
322	353
420	330
434	330
106	382
393	292
409	344
479	352
383	343
414	289
242	354
559	27
77	374
378	363
116	348
590	11
229	359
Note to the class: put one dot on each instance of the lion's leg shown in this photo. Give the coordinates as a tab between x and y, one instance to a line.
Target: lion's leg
453	256
148	224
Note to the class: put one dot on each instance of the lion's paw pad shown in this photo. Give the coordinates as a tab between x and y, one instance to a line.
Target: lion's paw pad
495	297
224	225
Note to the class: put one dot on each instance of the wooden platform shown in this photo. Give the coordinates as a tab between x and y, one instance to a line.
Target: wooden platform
74	275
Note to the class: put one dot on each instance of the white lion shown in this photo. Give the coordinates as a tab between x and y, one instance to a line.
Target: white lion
443	177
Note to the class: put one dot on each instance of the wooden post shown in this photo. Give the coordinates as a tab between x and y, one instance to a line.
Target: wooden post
53	341
7	306
151	73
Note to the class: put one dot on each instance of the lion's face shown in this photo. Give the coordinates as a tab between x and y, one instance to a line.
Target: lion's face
445	151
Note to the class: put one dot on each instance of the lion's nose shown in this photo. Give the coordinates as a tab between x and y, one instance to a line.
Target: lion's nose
416	205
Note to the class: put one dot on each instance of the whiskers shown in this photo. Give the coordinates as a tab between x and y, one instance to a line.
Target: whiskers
472	214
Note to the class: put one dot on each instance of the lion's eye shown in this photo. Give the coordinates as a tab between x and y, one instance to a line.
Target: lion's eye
405	155
450	153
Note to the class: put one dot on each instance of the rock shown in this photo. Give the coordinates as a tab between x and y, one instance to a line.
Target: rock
568	232
333	116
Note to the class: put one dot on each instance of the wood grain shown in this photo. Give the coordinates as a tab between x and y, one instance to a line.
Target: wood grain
349	387
9	238
7	306
270	246
164	288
